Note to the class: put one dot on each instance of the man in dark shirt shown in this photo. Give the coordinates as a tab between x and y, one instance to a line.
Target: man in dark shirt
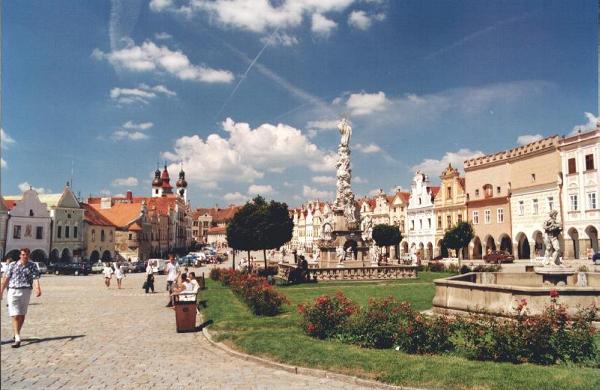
20	278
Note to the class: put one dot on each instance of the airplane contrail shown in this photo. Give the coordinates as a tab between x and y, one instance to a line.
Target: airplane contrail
242	78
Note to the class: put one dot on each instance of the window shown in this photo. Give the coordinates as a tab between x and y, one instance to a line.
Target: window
439	221
131	236
550	203
500	215
533	177
449	192
74	231
488	216
589	162
39	232
59	232
477	192
536	209
459	218
102	238
572	166
419	200
421	224
573	202
93	235
412	225
488	191
17	231
498	190
66	231
429	222
591	200
205	224
521	208
30	213
449	221
110	235
475	217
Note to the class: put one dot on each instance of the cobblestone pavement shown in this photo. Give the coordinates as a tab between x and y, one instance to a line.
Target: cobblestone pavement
80	334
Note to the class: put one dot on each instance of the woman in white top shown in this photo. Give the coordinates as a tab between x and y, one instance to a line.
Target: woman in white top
149	285
107	271
193	282
119	274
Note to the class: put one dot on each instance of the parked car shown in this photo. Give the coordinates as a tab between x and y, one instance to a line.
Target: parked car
97	267
42	268
126	266
596	258
498	257
158	265
187	260
70	268
139	266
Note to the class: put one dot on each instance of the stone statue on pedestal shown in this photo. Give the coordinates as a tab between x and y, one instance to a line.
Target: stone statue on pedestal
345	131
552	229
367	228
341	255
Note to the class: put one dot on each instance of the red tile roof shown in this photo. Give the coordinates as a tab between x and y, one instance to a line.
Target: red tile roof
93	217
218	214
120	214
434	190
217	230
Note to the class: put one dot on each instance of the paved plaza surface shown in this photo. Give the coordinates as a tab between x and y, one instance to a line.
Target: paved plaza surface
80	334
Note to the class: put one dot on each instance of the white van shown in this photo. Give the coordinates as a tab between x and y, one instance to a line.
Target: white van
158	265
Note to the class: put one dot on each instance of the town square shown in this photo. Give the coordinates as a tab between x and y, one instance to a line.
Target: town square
346	194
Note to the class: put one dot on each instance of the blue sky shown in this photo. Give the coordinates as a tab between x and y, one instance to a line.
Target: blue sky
246	93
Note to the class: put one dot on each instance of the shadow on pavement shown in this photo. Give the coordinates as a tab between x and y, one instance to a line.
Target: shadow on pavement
26	342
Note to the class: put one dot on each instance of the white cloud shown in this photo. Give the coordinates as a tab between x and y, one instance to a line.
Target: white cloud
279	39
359	180
370	148
119	135
313	193
26	186
138	126
126	182
374	192
321	25
362	21
5	139
3	163
322	124
163	36
590	125
528	138
247	153
142	94
366	103
105	192
257	189
148	57
235	197
255	15
434	168
324	179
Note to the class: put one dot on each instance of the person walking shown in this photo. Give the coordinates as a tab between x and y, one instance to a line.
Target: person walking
172	271
119	274
108	272
20	277
149	277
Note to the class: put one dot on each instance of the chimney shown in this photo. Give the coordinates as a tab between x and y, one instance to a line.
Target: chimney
129	197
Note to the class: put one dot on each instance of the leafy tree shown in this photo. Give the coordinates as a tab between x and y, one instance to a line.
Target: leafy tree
458	237
260	225
386	235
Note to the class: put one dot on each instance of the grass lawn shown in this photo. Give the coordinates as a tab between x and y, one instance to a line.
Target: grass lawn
281	339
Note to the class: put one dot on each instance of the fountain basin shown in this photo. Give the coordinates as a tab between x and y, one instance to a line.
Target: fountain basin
498	293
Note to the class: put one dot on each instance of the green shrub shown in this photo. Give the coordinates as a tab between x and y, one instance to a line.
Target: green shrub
269	271
215	274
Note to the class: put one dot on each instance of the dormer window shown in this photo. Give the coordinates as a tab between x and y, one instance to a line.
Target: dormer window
477	193
31	213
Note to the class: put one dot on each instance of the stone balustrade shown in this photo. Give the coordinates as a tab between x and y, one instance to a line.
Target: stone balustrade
355	273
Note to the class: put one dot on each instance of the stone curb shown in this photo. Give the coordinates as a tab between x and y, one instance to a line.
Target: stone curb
303	370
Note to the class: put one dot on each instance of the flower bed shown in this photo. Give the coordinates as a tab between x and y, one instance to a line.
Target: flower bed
255	291
548	338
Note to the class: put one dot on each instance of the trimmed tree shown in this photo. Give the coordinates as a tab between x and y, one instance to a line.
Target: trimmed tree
386	235
458	237
241	230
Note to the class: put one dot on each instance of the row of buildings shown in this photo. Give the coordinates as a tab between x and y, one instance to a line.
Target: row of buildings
505	195
60	227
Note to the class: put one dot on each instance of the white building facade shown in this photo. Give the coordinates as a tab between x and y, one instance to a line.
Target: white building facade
581	190
420	217
29	227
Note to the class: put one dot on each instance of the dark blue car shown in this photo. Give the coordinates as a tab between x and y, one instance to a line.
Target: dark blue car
596	258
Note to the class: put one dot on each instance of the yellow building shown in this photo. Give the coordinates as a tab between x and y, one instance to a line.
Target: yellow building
449	207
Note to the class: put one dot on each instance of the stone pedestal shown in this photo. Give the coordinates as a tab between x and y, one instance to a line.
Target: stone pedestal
556	276
328	257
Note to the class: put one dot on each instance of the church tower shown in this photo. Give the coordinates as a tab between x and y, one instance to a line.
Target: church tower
182	185
157	184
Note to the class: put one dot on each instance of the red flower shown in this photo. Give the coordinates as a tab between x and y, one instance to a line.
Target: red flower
310	327
554	293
